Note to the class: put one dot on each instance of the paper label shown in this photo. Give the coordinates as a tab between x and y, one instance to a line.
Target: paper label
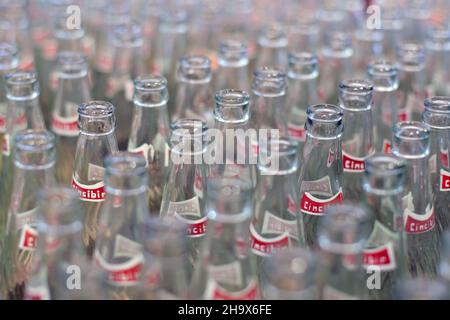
24	218
352	163
190	207
320	186
445	180
297	132
266	246
65	126
91	193
276	225
309	204
215	292
417	224
382	256
122	274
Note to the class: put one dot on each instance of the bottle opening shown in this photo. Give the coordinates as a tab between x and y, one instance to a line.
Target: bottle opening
303	64
273	36
96	118
325	113
437	112
384	75
195	68
8	57
22	86
127	35
34	140
268	81
385	165
189	128
411	140
125	163
411	56
355	95
338	45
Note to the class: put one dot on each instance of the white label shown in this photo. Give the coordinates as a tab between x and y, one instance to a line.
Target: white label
91	193
124	247
122	274
312	205
230	274
262	246
321	186
65	126
145	150
190	207
275	225
28	238
24	218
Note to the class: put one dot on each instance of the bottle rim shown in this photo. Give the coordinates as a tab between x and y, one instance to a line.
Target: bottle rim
302	58
124	163
382	68
356	87
189	127
96	109
150	83
437	104
380	164
8	56
34	140
411	130
21	78
232	97
128	35
269	73
324	113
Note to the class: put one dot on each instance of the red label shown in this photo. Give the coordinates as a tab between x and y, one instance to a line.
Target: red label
444	158
105	63
92	193
315	206
122	274
353	164
264	246
445	180
195	228
416	224
28	238
382	257
387	148
403	115
249	293
65	126
296	132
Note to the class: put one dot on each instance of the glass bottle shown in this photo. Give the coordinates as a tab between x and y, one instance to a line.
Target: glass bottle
232	66
9	61
118	249
226	269
437	117
437	48
392	23
60	251
73	89
342	237
34	161
292	275
150	132
367	47
185	187
272	47
194	97
164	275
411	76
411	143
385	251
422	289
118	85
384	77
335	63
355	99
304	34
320	181
268	100
23	112
302	75
96	140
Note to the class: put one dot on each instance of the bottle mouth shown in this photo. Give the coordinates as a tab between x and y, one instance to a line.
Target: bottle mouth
128	35
232	97
195	68
384	75
36	141
150	83
8	56
438	39
411	55
96	110
338	44
381	164
125	164
21	78
234	52
438	104
269	81
437	112
356	87
273	36
303	64
269	73
70	62
411	130
188	128
324	113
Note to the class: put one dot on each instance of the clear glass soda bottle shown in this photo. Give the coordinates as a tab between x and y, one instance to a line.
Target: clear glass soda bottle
73	89
304	33
411	75
437	117
320	181
194	97
292	275
392	24
384	77
342	237
411	143
118	249
272	47
437	48
226	268
335	63
385	251
23	112
9	61
185	187
303	76
164	275
117	86
355	99
233	66
150	132
367	47
34	161
96	140
60	251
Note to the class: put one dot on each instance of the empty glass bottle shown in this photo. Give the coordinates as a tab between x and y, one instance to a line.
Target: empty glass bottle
320	181
73	89
272	47
303	76
23	112
96	140
118	249
34	161
411	75
226	269
342	237
292	274
437	117
335	65
232	69
368	46
411	143
384	183
150	133
194	97
384	77
355	99
437	48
